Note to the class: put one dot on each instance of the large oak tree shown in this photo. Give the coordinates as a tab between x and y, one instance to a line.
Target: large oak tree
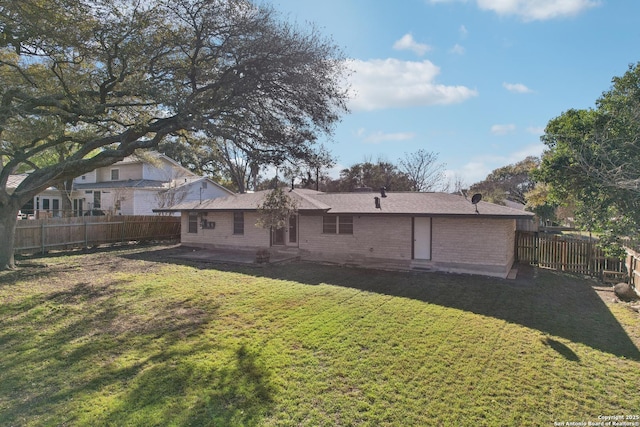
89	82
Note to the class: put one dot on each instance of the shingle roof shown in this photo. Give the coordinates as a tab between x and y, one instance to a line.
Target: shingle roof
410	203
249	202
14	180
414	204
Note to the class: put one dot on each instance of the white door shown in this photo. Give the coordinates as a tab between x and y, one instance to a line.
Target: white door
421	237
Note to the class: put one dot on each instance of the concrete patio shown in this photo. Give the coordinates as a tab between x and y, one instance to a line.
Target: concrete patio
227	256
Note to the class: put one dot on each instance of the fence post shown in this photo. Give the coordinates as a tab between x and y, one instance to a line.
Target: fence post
86	235
42	236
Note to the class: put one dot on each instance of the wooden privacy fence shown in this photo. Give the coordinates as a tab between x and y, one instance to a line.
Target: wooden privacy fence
633	266
66	233
565	253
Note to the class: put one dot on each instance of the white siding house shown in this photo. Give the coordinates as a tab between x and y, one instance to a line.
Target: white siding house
133	186
136	186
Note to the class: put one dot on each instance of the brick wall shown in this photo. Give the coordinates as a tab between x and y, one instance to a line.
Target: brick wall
222	235
381	236
469	245
486	242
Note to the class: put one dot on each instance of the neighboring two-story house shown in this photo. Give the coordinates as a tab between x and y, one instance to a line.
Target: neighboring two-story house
133	186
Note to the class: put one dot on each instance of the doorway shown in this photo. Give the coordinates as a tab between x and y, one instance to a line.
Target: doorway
278	236
422	238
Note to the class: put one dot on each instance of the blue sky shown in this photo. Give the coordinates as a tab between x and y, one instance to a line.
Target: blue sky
473	80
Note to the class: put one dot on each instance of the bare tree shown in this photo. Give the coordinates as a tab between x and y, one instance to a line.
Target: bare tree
311	171
171	196
423	170
454	185
275	209
240	166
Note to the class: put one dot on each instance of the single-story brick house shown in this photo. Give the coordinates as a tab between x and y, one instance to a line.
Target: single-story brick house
408	230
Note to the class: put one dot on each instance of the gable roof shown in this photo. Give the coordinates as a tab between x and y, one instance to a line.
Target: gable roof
131	183
409	203
184	182
14	180
155	160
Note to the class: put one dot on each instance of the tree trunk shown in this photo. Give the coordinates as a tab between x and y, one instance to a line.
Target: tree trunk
65	193
8	219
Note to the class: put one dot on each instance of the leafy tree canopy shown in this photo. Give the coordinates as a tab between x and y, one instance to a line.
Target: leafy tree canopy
511	182
88	82
372	175
593	158
417	171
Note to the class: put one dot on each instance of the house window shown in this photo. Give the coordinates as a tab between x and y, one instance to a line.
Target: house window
345	224
329	224
193	222
115	174
83	178
96	200
238	223
340	224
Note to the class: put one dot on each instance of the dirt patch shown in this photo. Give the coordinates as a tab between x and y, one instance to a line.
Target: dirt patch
606	293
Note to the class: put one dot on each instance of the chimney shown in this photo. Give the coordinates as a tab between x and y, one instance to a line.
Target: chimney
383	192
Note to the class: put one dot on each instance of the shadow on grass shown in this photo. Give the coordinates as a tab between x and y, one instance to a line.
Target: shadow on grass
562	349
553	303
34	267
84	340
238	393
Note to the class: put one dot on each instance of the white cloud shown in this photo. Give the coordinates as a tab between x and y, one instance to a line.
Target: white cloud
457	49
503	129
334	172
379	137
407	42
537	10
529	150
391	83
479	167
516	88
536	130
532	10
463	32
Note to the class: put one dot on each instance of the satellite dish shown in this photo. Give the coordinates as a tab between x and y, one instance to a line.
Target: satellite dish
475	199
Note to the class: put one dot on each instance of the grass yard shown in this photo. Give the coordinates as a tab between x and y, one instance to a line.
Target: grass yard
130	337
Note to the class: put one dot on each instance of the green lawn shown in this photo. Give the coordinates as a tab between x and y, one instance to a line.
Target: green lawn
132	337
